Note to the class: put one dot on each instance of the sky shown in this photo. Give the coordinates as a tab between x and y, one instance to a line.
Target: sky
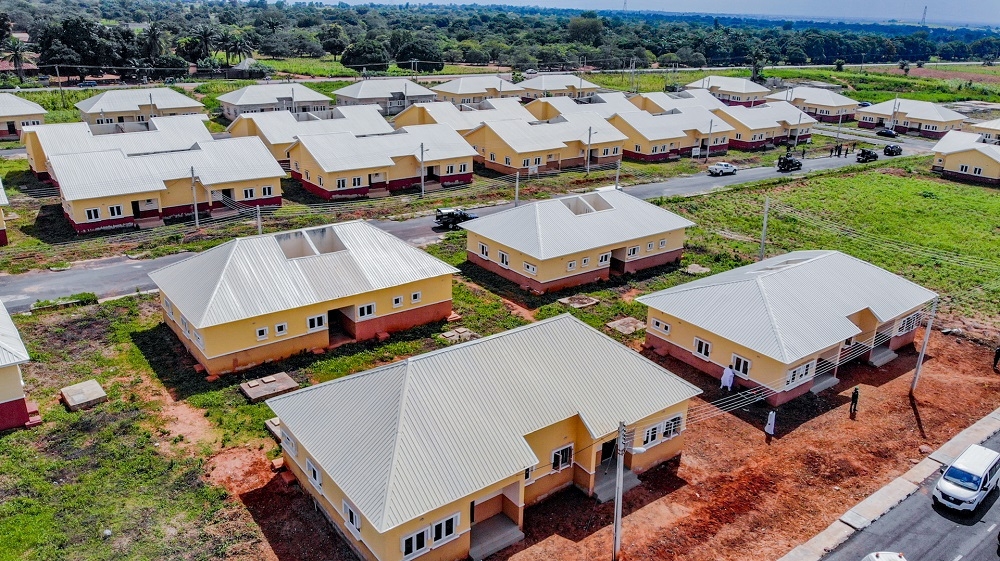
972	12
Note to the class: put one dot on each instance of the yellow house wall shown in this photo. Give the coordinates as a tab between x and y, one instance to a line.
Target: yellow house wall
36	155
578	149
247	127
3	222
660	449
77	209
971	158
544	479
746	132
144	110
302	161
542	110
645	144
18	119
487	142
412	115
11	385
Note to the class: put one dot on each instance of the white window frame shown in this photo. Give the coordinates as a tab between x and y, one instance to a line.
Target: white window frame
977	171
484	250
568	463
741	365
614	151
314	475
530	269
184	326
673	427
455	519
908	323
397	301
169	308
504	259
799	374
307	175
262	333
506	161
659	325
248	193
266	191
352	520
363	311
341	183
638	149
632	252
649	246
280	329
571	266
462	168
525	162
93	214
663	243
585	262
651	434
449	169
538	160
356	182
493	157
706	345
115	211
316	323
416	552
963	168
606	152
288	443
416	297
604	258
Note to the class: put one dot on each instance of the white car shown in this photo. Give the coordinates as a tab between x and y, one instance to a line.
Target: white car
722	168
884	556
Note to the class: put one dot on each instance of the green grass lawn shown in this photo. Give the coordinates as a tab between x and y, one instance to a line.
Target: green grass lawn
322	66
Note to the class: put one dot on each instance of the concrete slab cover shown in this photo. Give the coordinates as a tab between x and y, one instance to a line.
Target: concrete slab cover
83	395
268	386
920	472
627	326
855	520
579	301
884	499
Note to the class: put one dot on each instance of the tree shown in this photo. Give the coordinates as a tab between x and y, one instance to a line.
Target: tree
271	20
839	64
205	37
369	54
15	52
59	54
277	45
756	60
333	38
5	26
153	41
425	51
398	38
586	30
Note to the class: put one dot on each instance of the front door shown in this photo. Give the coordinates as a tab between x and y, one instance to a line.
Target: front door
11	129
135	209
227	193
608	450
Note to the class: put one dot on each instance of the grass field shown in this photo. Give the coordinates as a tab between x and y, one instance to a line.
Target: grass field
322	66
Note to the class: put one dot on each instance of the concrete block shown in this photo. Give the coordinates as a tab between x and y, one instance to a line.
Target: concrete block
883	500
855	520
801	553
920	472
83	395
828	540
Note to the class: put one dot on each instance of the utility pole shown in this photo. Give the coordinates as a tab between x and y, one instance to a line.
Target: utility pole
840	117
923	348
619	476
194	197
260	224
62	94
763	231
517	187
422	172
708	150
618	172
590	133
798	129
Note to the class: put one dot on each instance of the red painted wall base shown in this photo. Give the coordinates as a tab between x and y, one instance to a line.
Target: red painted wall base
13	414
3	238
534	285
392	323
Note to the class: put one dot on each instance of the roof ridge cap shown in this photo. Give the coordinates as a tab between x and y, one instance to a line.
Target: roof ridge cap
771	319
404	391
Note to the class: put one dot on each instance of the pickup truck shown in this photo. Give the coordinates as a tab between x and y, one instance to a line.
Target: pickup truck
722	168
450	218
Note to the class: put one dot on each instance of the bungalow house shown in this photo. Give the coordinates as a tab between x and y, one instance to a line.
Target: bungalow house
579	239
342	164
557	85
732	91
473	89
15	409
263	298
279	129
964	157
292	97
159	134
437	456
3	223
820	103
129	106
907	115
604	104
391	94
519	146
767	125
989	129
787	322
691	131
661	102
110	189
462	118
18	113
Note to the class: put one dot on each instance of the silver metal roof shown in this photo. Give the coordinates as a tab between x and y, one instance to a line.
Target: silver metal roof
604	104
728	84
816	96
550	82
410	437
281	127
676	123
549	228
12	350
165	134
554	133
264	94
687	98
467	118
472	85
912	109
13	106
3	195
790	306
344	151
258	275
768	115
112	101
379	88
957	141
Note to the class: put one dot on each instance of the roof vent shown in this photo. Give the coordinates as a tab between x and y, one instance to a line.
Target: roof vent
784	264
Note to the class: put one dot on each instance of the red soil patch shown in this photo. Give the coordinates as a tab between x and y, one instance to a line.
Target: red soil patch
947	74
630	295
513	307
184	420
239	470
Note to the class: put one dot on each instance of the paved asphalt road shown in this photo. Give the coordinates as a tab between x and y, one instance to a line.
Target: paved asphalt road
116	276
923	532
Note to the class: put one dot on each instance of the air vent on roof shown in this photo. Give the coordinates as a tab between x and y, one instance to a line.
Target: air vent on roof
785	263
294	244
585	204
325	240
309	243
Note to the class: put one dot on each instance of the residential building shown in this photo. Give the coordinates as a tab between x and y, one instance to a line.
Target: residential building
965	157
292	97
130	106
767	125
18	113
661	102
579	239
3	222
604	104
159	134
989	129
787	322
110	189
924	118
462	118
557	85
279	129
345	165
519	146
437	456
819	103
391	94
690	131
15	409
732	91
473	89
263	298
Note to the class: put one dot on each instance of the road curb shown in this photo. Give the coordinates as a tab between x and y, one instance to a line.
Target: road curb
885	499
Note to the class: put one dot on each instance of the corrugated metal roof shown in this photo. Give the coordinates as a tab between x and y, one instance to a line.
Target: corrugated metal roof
993	125
814	96
604	104
410	437
912	109
112	172
957	141
790	306
554	82
728	84
112	101
378	88
467	118
281	127
687	98
12	350
166	134
344	151
472	85
13	106
264	94
253	276
677	123
555	133
550	228
768	115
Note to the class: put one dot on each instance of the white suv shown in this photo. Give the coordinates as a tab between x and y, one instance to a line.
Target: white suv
722	168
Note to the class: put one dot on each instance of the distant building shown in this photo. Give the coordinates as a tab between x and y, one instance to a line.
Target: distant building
767	125
15	409
820	103
18	113
139	105
604	104
462	118
557	85
964	156
292	97
392	95
660	102
924	118
732	91
989	129
3	223
690	131
473	89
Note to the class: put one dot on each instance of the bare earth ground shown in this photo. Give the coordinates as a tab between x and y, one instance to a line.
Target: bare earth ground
946	74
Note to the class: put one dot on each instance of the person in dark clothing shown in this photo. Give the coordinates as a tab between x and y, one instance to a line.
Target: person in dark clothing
831	151
854	400
803	153
996	358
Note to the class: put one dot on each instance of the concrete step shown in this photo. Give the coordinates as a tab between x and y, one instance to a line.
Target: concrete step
492	535
881	356
604	491
824	382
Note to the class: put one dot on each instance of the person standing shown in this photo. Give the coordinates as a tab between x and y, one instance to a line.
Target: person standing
769	427
854	400
831	151
727	378
996	358
803	153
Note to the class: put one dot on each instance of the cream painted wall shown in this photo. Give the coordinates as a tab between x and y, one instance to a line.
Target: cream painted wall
971	158
146	111
11	385
646	144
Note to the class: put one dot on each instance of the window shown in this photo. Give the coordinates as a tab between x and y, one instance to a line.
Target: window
356	182
671	427
614	150
140	118
585	262
663	147
606	151
484	250
266	191
529	471
504	259
184	324
702	348
493	157
663	243
506	160
908	324
538	161
316	323
281	329
639	148
530	268
288	444
655	149
977	171
632	251
314	475
660	325
963	168
353	520
462	168
169	308
93	214
449	169
115	211
307	174
651	434
445	529
415	297
649	246
798	374
368	310
261	333
741	365
397	301
604	258
296	166
571	266
525	162
739	136
562	458
415	544
248	193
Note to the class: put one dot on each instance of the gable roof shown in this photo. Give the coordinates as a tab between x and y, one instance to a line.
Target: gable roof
728	84
344	151
557	227
399	440
237	280
604	104
466	118
676	123
471	85
681	100
556	82
813	96
913	109
102	174
993	126
281	127
165	134
378	88
113	101
768	115
523	136
13	106
12	349
264	94
954	142
790	306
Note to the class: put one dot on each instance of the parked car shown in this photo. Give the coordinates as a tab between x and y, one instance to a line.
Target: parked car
865	104
87	84
884	556
788	163
888	133
531	71
865	155
969	479
892	150
721	168
451	217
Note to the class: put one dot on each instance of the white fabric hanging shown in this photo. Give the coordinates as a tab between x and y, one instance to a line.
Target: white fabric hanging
769	427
